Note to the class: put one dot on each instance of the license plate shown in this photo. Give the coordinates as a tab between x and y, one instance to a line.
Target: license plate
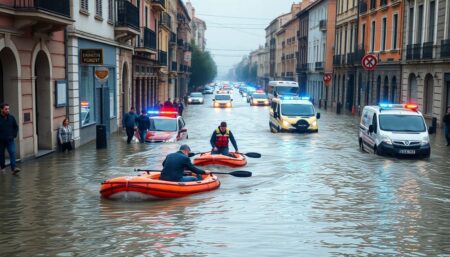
407	151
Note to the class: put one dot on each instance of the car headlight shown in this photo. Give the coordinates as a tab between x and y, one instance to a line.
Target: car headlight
228	104
171	140
255	102
314	123
387	140
216	104
286	123
189	100
425	141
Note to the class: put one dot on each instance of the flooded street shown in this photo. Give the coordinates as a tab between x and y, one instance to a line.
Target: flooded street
310	195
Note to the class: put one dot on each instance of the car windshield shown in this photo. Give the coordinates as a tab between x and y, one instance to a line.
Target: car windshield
297	110
287	90
402	123
222	97
163	124
259	96
196	94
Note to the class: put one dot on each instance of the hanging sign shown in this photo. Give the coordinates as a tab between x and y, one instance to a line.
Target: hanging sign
101	74
91	56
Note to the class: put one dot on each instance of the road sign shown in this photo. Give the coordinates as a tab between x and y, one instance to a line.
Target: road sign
369	62
327	78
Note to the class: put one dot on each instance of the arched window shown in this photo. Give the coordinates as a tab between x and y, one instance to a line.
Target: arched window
378	90
428	94
386	89
394	97
412	88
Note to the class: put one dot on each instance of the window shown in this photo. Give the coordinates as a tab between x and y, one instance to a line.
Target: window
99	8
419	25
431	22
110	10
84	5
87	90
429	91
410	25
372	38
146	17
383	34
394	31
363	36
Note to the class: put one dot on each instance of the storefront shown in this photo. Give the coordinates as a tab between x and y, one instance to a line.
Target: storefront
98	100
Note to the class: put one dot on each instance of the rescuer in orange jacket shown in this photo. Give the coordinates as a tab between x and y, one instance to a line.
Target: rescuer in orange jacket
220	138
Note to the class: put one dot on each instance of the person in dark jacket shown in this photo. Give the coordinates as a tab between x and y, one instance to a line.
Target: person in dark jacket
175	164
180	107
220	138
143	124
8	133
129	123
446	122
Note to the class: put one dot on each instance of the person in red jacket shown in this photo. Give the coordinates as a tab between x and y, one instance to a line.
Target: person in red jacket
220	138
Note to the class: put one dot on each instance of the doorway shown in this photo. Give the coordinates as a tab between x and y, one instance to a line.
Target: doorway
42	100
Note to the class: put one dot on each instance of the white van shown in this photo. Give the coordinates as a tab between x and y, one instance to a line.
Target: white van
279	88
394	129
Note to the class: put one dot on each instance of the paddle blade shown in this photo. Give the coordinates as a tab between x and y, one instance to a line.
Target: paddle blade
237	173
253	155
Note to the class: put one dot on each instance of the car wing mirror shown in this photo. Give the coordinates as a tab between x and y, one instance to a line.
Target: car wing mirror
318	115
370	128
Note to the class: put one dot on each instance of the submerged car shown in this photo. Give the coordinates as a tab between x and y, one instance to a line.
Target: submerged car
208	90
195	98
166	126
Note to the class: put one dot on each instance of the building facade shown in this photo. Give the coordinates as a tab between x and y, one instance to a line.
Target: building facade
32	64
426	56
198	27
289	49
184	51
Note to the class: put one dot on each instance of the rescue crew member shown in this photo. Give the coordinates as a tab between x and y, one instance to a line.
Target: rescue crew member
219	140
175	164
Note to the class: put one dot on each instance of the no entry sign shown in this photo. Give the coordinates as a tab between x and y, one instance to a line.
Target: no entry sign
369	62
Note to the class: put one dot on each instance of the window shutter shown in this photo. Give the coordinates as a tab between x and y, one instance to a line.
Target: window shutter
110	10
84	5
99	7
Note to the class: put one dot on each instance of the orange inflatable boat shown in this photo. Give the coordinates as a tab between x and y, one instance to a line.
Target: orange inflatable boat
238	160
148	186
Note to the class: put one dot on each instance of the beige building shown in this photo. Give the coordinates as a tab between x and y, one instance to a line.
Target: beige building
198	27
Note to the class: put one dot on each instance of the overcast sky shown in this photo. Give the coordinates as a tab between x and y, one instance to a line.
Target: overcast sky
240	29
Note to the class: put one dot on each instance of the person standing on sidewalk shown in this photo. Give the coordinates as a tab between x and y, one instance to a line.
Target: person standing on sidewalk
143	122
8	133
446	122
65	136
129	123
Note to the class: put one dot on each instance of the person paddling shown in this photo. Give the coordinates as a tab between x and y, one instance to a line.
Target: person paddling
175	164
220	138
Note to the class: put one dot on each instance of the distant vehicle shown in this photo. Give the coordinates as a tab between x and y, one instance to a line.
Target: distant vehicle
394	129
208	90
282	88
166	126
258	98
195	98
222	101
227	88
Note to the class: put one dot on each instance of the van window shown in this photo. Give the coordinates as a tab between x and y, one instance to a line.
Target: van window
297	110
287	90
375	123
403	123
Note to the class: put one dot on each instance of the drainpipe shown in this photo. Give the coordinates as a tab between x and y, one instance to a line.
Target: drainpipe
355	78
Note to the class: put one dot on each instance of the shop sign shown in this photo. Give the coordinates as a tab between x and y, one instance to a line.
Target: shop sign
91	56
101	74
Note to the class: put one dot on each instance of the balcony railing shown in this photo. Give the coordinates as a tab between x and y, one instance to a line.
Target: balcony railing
323	25
409	52
302	67
174	66
427	50
149	39
383	3
159	5
445	48
362	7
165	20
162	58
127	15
359	55
350	59
337	60
60	7
319	66
417	49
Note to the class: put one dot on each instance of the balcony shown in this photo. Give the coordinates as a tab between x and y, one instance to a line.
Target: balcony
383	3
302	67
359	55
427	50
337	60
180	42
417	51
323	25
173	38
127	21
409	52
319	66
362	7
162	58
445	48
43	16
173	67
165	21
149	42
159	5
350	59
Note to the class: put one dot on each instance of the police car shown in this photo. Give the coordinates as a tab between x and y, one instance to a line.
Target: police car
166	126
394	129
222	101
293	114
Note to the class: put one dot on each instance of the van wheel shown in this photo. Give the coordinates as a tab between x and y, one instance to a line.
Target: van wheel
272	129
376	151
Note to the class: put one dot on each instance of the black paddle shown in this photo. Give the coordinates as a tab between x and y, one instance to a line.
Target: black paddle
249	154
237	173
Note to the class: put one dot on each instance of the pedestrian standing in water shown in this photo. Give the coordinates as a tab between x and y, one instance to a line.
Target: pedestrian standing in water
180	107
8	134
65	136
143	122
446	122
129	123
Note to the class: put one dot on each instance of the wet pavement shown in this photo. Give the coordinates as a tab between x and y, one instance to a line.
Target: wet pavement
310	195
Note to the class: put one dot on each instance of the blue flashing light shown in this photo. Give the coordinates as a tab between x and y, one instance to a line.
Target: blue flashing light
152	112
386	105
284	97
305	98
